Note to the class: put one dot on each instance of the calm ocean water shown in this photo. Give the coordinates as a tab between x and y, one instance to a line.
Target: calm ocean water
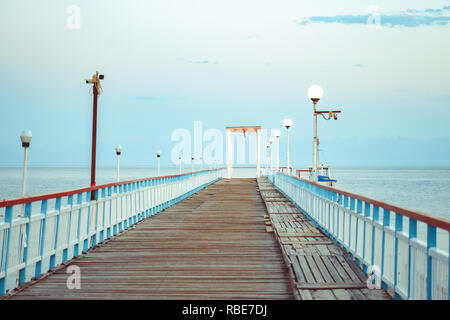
421	189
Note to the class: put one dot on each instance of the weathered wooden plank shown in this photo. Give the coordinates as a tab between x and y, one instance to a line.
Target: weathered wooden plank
213	245
345	264
306	295
342	294
323	270
297	235
315	269
306	269
341	270
323	295
331	269
330	286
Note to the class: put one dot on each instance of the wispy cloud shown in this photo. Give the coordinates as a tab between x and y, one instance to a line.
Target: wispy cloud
203	62
405	18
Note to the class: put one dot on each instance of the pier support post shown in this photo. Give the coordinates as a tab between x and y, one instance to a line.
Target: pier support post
258	153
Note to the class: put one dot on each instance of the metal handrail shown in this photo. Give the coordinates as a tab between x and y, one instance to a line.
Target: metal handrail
33	243
434	221
47	196
412	268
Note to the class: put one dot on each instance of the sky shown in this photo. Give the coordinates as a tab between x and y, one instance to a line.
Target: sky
167	64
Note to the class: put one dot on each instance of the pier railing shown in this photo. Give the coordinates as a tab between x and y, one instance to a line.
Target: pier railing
38	233
382	238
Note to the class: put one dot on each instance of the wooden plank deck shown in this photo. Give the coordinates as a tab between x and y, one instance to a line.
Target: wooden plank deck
319	268
213	245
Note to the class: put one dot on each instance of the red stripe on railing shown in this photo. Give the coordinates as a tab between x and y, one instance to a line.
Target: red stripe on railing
434	221
23	200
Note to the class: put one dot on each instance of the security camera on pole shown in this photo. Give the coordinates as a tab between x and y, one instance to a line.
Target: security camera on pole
96	90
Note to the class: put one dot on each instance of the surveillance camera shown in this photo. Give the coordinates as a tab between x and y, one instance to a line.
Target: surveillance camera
101	77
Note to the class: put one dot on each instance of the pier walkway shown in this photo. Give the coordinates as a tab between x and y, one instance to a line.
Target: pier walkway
200	236
212	245
319	268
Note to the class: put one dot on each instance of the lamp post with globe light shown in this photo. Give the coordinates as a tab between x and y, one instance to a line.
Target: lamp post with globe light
287	123
315	93
118	152
158	156
271	140
25	137
277	134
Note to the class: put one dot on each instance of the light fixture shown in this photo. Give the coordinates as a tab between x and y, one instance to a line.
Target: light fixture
287	123
158	155
25	137
315	93
118	152
277	133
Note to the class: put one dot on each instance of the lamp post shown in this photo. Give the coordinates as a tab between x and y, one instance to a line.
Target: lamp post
287	123
25	137
118	152
277	135
201	163
96	89
158	156
192	163
271	151
179	158
267	155
315	93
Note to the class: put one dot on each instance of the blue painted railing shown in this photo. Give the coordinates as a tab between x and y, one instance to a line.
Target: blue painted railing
36	237
381	237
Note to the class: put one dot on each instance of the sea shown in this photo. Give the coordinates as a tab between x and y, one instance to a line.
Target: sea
424	189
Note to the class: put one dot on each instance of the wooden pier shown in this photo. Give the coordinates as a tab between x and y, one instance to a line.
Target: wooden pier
319	268
212	245
199	236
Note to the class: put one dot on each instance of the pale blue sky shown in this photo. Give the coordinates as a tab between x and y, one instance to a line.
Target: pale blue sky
168	63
